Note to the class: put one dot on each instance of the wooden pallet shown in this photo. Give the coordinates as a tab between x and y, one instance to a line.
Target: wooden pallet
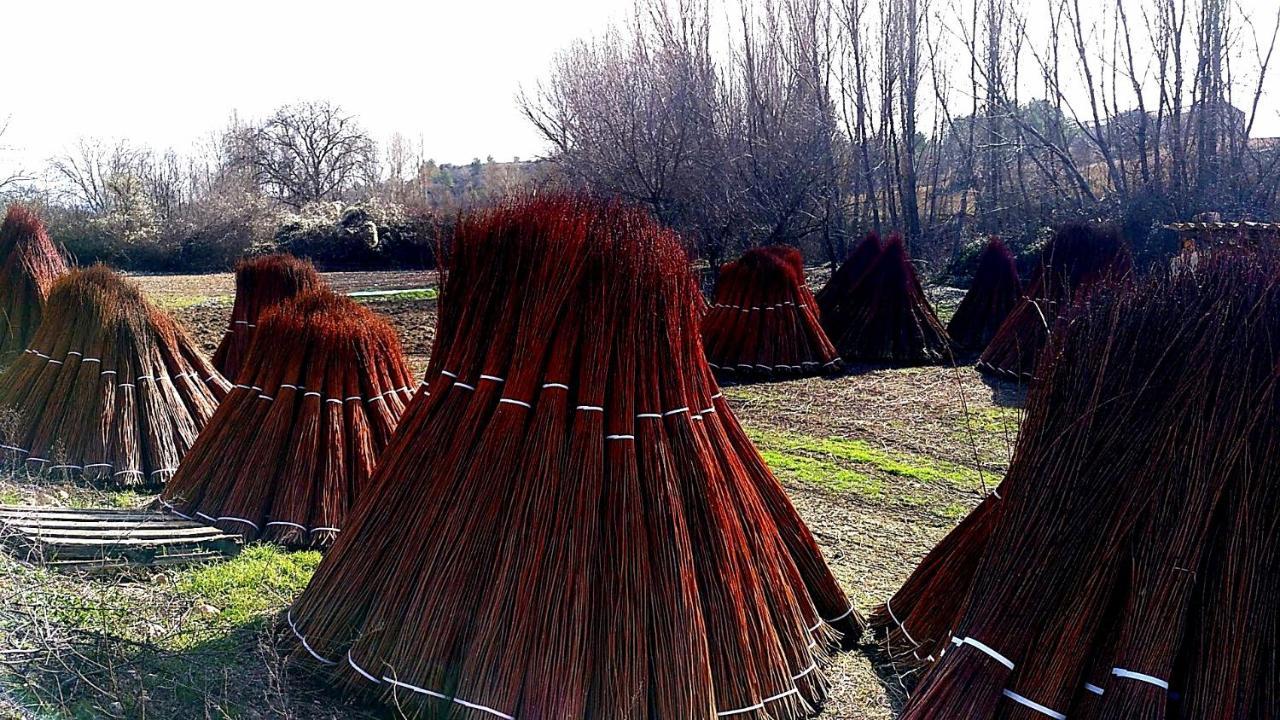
69	539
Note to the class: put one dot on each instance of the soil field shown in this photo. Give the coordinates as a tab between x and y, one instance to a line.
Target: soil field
881	463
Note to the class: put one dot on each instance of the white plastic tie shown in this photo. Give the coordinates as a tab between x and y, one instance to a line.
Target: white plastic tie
303	528
310	393
548	386
446	373
289	616
464	386
494	378
590	408
648	415
1094	689
739	711
1140	677
619	437
806	671
511	401
240	520
677	411
360	670
842	616
1026	702
987	650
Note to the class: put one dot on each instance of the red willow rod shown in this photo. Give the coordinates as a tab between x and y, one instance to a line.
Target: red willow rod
834	297
294	445
110	388
31	264
590	535
885	317
1079	257
993	294
1135	540
261	283
764	321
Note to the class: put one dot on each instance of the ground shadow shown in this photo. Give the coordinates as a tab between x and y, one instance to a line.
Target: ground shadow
1006	392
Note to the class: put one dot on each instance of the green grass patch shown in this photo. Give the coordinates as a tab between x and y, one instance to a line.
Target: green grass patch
373	296
823	473
180	302
257	582
837	452
9	496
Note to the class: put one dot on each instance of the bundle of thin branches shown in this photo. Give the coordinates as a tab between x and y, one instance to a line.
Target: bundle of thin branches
764	321
886	318
261	283
31	264
834	299
590	535
1135	540
1079	257
992	296
110	388
293	446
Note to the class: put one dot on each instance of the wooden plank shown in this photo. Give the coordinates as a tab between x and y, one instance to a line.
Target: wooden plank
127	516
105	525
71	533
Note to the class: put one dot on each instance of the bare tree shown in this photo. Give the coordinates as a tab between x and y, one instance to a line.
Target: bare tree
306	152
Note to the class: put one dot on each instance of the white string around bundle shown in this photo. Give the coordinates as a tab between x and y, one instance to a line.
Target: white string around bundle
1140	677
1026	702
985	649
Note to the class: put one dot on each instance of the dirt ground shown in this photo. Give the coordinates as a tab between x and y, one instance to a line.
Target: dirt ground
881	463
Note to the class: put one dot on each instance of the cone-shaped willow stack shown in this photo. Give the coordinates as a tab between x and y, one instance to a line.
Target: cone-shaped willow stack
31	264
886	318
992	295
835	297
569	522
1078	258
294	445
764	321
110	387
261	283
1131	568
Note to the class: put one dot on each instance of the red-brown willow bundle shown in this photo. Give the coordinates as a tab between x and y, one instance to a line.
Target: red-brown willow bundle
1130	569
885	316
764	321
261	283
1079	257
589	534
31	264
110	387
293	446
834	297
994	293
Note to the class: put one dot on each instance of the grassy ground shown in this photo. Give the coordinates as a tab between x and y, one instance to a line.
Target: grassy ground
880	462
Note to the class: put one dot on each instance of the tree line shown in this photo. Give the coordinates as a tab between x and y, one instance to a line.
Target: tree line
809	122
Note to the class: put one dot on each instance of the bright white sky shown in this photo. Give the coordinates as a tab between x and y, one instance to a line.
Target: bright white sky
166	73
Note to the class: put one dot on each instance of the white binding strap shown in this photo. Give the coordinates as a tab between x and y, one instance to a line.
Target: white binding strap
987	650
334	401
590	408
359	669
1094	689
494	378
326	529
717	396
510	401
806	671
648	415
739	711
310	393
779	696
677	411
562	386
288	615
464	386
619	437
446	373
239	520
442	696
290	524
1140	677
1034	705
842	616
898	622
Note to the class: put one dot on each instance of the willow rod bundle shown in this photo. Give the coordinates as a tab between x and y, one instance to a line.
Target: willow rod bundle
261	283
110	387
1135	537
293	446
764	321
1079	257
992	296
885	317
589	538
31	264
834	299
